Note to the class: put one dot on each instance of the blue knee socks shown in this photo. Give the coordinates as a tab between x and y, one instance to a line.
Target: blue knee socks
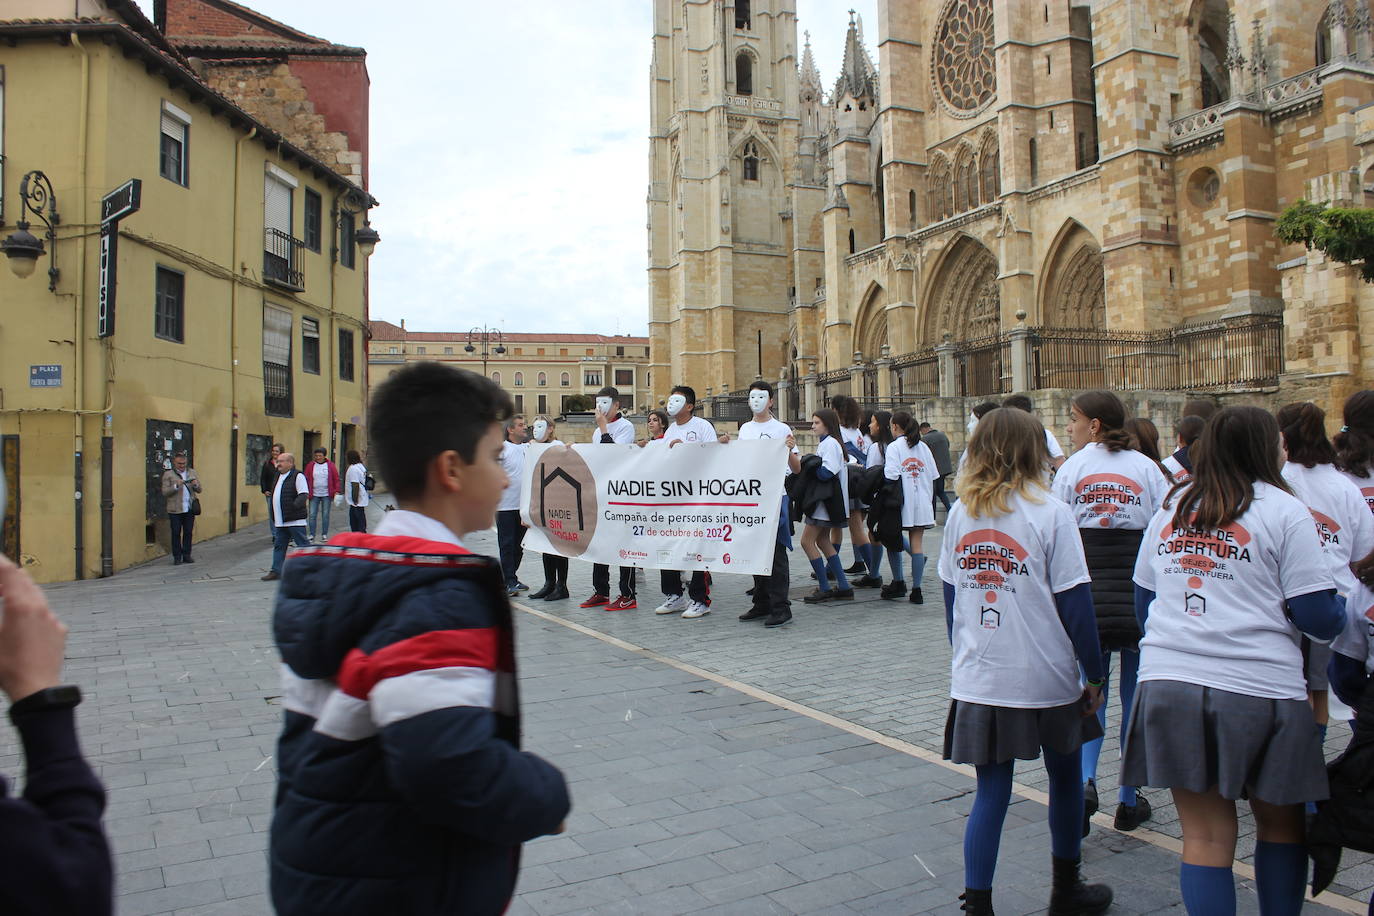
918	569
983	832
837	572
1208	890
1066	803
818	565
873	556
1280	877
894	562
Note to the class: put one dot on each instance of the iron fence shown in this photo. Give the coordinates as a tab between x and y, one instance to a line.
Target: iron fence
829	384
984	366
916	375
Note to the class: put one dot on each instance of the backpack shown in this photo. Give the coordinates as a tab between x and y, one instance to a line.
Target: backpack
369	482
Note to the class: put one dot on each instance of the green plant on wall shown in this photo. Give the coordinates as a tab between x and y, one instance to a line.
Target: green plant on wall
1345	234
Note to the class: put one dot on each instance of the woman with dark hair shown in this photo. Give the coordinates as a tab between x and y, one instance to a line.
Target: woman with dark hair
1355	444
1344	523
1233	575
856	452
1113	491
658	422
1146	436
815	539
910	461
879	438
1179	465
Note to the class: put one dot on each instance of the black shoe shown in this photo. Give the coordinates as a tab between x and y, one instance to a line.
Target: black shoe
892	590
750	593
1071	897
868	582
976	903
271	577
820	597
858	566
1129	817
756	613
176	561
777	620
916	597
558	594
1089	804
187	560
842	594
543	592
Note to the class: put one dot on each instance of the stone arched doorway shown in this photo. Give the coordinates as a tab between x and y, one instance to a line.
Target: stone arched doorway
1074	292
964	299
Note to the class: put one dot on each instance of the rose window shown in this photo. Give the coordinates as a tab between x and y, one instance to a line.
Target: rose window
964	69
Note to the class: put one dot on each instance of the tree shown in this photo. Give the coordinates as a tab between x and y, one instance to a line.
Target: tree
1346	234
578	403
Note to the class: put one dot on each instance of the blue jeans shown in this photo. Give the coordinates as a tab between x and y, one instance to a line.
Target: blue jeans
295	534
319	513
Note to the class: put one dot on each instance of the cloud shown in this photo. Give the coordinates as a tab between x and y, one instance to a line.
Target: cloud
509	151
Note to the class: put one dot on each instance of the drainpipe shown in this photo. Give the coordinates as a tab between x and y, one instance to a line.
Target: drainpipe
333	329
234	340
79	320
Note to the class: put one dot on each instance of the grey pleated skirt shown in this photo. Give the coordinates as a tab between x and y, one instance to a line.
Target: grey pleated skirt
1315	657
1184	736
978	734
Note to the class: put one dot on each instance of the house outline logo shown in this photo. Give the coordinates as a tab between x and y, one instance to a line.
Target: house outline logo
1194	605
989	618
563	500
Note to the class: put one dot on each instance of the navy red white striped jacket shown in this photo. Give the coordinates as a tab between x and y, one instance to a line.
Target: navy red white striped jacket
402	788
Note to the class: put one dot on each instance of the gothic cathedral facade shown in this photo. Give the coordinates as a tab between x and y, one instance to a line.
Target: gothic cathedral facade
1085	170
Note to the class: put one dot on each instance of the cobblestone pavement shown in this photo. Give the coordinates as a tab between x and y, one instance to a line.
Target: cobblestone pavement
716	767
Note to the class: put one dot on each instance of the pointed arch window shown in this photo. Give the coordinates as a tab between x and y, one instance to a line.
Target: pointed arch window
742	14
851	241
751	161
911	208
744	73
990	172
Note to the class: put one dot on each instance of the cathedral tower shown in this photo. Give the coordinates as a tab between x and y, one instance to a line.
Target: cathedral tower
724	103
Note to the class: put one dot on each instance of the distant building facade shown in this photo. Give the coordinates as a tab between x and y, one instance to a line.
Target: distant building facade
240	317
539	371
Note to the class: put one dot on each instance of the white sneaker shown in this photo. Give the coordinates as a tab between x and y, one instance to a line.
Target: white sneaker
696	609
672	605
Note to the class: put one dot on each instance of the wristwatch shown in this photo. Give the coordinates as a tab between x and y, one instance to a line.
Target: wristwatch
63	697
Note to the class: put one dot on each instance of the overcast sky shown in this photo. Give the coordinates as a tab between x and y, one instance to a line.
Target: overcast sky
509	152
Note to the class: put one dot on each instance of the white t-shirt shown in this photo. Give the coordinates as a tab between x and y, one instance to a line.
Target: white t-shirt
1218	618
1176	470
876	456
914	466
1052	444
852	436
1344	523
1357	639
832	459
773	428
694	430
1364	484
278	496
356	473
513	463
185	490
1010	647
1106	489
621	430
319	478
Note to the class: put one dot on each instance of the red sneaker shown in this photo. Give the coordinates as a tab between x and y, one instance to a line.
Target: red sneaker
595	601
622	604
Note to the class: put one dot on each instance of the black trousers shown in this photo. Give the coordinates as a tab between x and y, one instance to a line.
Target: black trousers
510	534
182	524
556	569
601	580
771	591
698	588
357	518
939	493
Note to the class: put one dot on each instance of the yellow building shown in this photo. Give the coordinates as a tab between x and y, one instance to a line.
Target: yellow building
539	371
241	296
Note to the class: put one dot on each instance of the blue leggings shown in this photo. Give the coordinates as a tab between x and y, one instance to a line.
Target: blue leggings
983	833
1092	750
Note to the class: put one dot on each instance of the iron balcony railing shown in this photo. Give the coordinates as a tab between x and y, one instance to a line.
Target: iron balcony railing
281	260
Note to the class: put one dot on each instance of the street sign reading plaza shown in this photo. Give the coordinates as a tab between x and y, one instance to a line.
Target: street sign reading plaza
116	205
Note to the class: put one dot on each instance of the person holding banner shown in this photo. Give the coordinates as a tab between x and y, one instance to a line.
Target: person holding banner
827	471
555	586
612	428
682	403
771	601
657	421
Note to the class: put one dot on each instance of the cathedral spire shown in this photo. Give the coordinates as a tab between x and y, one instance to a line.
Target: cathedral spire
810	75
858	76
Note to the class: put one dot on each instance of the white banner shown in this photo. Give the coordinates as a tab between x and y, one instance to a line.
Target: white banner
693	506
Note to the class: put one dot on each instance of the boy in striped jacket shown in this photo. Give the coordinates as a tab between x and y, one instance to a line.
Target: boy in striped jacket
402	787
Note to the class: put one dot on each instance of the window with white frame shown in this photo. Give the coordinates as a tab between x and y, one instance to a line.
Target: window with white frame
310	346
173	144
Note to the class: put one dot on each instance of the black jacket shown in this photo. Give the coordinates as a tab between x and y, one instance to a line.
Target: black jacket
1347	820
809	491
1111	554
267	477
53	854
293	504
884	498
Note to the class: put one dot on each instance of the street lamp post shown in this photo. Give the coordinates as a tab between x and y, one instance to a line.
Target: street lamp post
485	336
22	247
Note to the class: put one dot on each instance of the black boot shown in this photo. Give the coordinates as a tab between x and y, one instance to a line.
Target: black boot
1071	897
978	903
544	591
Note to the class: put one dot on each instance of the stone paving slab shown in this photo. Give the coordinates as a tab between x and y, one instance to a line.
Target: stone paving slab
690	796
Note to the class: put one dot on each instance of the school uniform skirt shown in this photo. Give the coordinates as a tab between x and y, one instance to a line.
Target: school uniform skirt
1185	736
979	735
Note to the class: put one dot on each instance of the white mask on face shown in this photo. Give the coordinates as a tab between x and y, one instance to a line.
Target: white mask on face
603	404
675	404
972	424
758	401
541	429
